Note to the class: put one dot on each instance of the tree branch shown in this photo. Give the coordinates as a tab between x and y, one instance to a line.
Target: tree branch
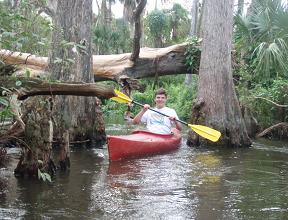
278	105
266	131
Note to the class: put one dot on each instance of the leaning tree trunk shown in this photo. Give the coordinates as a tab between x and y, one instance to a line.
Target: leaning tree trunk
217	105
73	62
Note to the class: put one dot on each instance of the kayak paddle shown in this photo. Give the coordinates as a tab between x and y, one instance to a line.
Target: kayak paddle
206	132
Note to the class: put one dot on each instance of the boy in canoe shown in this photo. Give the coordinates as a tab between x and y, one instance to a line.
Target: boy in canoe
156	122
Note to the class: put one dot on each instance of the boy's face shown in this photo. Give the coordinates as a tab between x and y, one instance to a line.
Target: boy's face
160	100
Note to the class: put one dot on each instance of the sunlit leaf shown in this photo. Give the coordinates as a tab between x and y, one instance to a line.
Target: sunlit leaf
48	177
18	83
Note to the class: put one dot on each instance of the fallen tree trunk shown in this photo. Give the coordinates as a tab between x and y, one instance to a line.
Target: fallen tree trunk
33	87
151	62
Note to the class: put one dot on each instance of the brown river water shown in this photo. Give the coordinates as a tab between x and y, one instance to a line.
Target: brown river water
190	183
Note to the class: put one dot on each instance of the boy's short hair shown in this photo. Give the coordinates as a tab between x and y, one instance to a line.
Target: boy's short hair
161	91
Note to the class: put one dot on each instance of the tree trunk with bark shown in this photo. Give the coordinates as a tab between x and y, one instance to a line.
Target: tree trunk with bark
73	62
37	142
34	121
138	30
200	20
175	31
129	7
217	105
193	33
240	7
158	42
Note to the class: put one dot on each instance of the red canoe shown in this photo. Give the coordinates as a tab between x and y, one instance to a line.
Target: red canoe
141	143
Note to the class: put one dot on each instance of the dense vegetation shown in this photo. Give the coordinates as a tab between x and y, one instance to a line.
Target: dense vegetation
260	62
179	97
261	40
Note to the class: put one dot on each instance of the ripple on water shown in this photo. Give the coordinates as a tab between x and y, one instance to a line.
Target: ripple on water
11	213
190	183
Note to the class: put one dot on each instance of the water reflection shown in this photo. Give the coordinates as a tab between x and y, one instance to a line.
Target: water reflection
147	188
190	183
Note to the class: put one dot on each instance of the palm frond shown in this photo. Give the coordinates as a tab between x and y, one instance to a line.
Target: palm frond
266	32
272	56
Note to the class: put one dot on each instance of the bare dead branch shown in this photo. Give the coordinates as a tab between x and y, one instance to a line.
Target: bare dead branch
274	103
268	130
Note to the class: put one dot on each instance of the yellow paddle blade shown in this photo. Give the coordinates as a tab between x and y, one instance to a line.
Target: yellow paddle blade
121	97
206	132
120	100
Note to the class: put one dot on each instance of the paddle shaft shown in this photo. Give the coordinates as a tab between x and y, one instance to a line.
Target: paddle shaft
183	122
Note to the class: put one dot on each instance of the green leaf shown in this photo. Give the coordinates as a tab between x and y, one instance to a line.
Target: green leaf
4	102
41	43
57	60
27	73
18	83
70	60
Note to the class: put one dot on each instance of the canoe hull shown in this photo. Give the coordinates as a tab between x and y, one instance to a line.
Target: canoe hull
141	143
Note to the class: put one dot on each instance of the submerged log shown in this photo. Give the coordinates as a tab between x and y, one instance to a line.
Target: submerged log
151	61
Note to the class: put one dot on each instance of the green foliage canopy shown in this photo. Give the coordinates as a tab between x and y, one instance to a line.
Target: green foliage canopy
24	29
114	38
178	22
157	26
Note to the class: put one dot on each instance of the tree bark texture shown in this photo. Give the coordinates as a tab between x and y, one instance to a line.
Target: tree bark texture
38	135
194	19
217	105
193	33
200	20
81	115
240	7
33	87
151	61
